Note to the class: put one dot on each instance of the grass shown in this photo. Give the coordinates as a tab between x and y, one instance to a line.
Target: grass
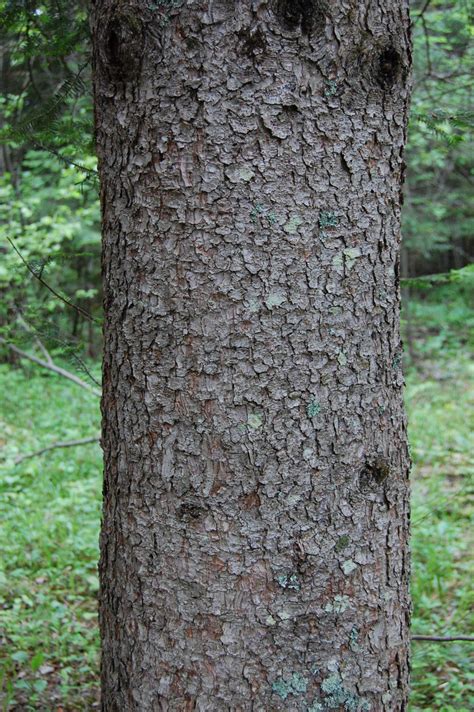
49	514
50	511
440	400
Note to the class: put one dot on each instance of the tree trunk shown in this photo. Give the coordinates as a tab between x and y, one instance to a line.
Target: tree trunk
254	539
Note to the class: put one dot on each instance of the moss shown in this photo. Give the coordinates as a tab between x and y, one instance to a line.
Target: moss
342	542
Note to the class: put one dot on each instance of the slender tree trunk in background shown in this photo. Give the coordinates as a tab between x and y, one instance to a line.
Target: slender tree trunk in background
254	541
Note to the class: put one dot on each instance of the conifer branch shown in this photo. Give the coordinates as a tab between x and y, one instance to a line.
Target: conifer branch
40	279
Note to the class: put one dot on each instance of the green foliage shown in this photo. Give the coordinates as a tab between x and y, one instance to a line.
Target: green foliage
443	320
49	519
439	213
48	190
52	217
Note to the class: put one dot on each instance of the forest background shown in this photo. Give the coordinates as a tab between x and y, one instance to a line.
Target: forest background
50	460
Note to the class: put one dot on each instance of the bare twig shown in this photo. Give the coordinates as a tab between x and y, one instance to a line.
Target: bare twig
51	367
38	341
55	446
57	337
40	279
43	350
422	11
427	46
441	639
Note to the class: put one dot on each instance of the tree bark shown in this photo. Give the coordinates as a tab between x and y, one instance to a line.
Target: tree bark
254	549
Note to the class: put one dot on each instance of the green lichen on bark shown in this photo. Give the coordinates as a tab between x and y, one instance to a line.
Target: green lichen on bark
289	581
340	604
340	698
313	409
296	685
328	218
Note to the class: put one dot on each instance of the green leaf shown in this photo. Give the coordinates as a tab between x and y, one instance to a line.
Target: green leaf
36	661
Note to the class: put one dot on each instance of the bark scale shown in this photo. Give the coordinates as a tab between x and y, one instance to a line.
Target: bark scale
254	549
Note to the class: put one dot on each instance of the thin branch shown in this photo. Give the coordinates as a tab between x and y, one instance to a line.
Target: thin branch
427	46
38	341
40	279
36	333
55	446
52	367
441	639
422	11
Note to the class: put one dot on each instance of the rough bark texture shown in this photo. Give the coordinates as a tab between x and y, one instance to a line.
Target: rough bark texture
254	541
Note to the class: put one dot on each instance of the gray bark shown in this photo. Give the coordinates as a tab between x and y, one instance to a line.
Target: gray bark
254	547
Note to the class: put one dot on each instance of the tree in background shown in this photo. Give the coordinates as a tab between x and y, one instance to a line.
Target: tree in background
254	542
49	206
438	218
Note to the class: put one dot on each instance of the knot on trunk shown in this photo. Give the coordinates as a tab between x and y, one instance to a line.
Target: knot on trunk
388	67
123	46
374	473
306	14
